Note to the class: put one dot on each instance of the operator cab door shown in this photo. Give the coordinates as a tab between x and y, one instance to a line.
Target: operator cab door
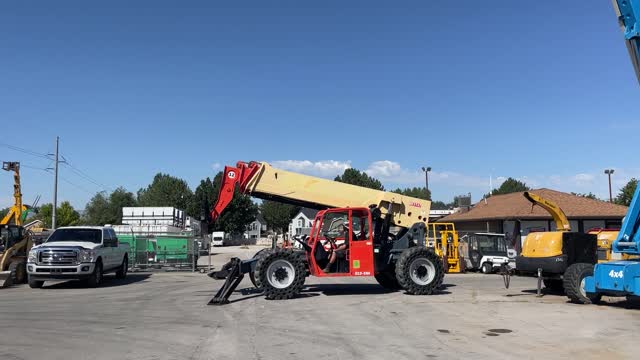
343	226
361	254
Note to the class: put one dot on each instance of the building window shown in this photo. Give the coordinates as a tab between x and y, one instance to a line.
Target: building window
300	223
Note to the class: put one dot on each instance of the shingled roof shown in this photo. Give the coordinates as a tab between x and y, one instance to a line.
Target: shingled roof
516	206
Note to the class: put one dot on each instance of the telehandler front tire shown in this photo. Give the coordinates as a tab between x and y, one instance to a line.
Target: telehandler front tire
281	274
419	271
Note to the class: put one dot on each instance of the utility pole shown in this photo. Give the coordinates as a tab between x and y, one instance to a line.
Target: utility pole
55	186
426	177
609	172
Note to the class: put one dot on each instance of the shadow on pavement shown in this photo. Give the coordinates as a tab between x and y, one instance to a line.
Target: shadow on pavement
108	281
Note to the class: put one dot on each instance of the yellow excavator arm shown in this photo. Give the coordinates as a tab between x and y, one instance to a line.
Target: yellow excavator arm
562	223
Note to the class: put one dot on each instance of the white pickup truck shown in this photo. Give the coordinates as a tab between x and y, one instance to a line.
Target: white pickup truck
78	253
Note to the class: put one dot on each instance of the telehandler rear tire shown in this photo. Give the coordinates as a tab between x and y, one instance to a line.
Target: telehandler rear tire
419	271
387	280
573	282
281	274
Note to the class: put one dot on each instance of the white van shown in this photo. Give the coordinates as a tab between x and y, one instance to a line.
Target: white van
217	238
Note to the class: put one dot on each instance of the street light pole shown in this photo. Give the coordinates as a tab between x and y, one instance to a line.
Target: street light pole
609	172
426	177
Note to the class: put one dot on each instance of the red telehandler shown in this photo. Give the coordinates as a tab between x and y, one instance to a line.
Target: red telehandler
358	232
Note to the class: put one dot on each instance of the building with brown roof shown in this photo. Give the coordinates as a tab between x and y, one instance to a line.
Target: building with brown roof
499	213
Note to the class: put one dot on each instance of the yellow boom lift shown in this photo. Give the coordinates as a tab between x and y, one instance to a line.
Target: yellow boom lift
15	240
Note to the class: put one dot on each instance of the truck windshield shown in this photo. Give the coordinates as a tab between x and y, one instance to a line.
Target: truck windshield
82	235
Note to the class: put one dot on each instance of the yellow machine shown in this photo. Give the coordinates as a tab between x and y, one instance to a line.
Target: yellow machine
556	256
443	237
15	240
605	242
18	210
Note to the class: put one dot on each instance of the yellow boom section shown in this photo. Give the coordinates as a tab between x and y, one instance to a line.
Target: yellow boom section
266	182
285	184
562	223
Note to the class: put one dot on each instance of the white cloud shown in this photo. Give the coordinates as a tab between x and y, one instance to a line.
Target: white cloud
392	172
216	166
324	168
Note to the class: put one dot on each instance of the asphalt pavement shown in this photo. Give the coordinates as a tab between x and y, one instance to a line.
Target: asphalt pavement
164	315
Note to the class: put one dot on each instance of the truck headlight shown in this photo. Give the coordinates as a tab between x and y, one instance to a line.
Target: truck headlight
86	256
33	256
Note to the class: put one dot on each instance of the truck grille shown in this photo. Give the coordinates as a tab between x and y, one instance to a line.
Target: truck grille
58	257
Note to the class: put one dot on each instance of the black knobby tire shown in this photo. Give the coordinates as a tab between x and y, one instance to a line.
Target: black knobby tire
555	285
573	282
18	271
252	275
281	274
487	268
419	271
124	268
387	280
35	284
96	277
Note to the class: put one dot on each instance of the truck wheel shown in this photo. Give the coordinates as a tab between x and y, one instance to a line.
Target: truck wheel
122	271
387	280
554	285
252	275
419	271
281	274
35	284
487	268
96	277
573	283
19	271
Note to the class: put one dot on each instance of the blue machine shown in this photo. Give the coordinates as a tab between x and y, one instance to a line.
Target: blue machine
622	277
628	12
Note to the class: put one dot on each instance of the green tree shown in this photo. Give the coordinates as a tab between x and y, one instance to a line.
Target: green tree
45	212
118	199
103	209
626	193
4	212
96	212
240	212
359	178
439	205
416	192
278	215
201	203
510	185
66	215
166	190
590	195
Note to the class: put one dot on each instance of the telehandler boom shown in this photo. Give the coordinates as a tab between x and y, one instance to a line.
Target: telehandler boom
263	181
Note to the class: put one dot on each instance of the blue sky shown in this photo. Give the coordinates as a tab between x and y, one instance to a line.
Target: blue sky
473	89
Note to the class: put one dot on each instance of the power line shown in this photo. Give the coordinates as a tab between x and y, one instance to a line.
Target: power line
25	151
84	175
50	172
